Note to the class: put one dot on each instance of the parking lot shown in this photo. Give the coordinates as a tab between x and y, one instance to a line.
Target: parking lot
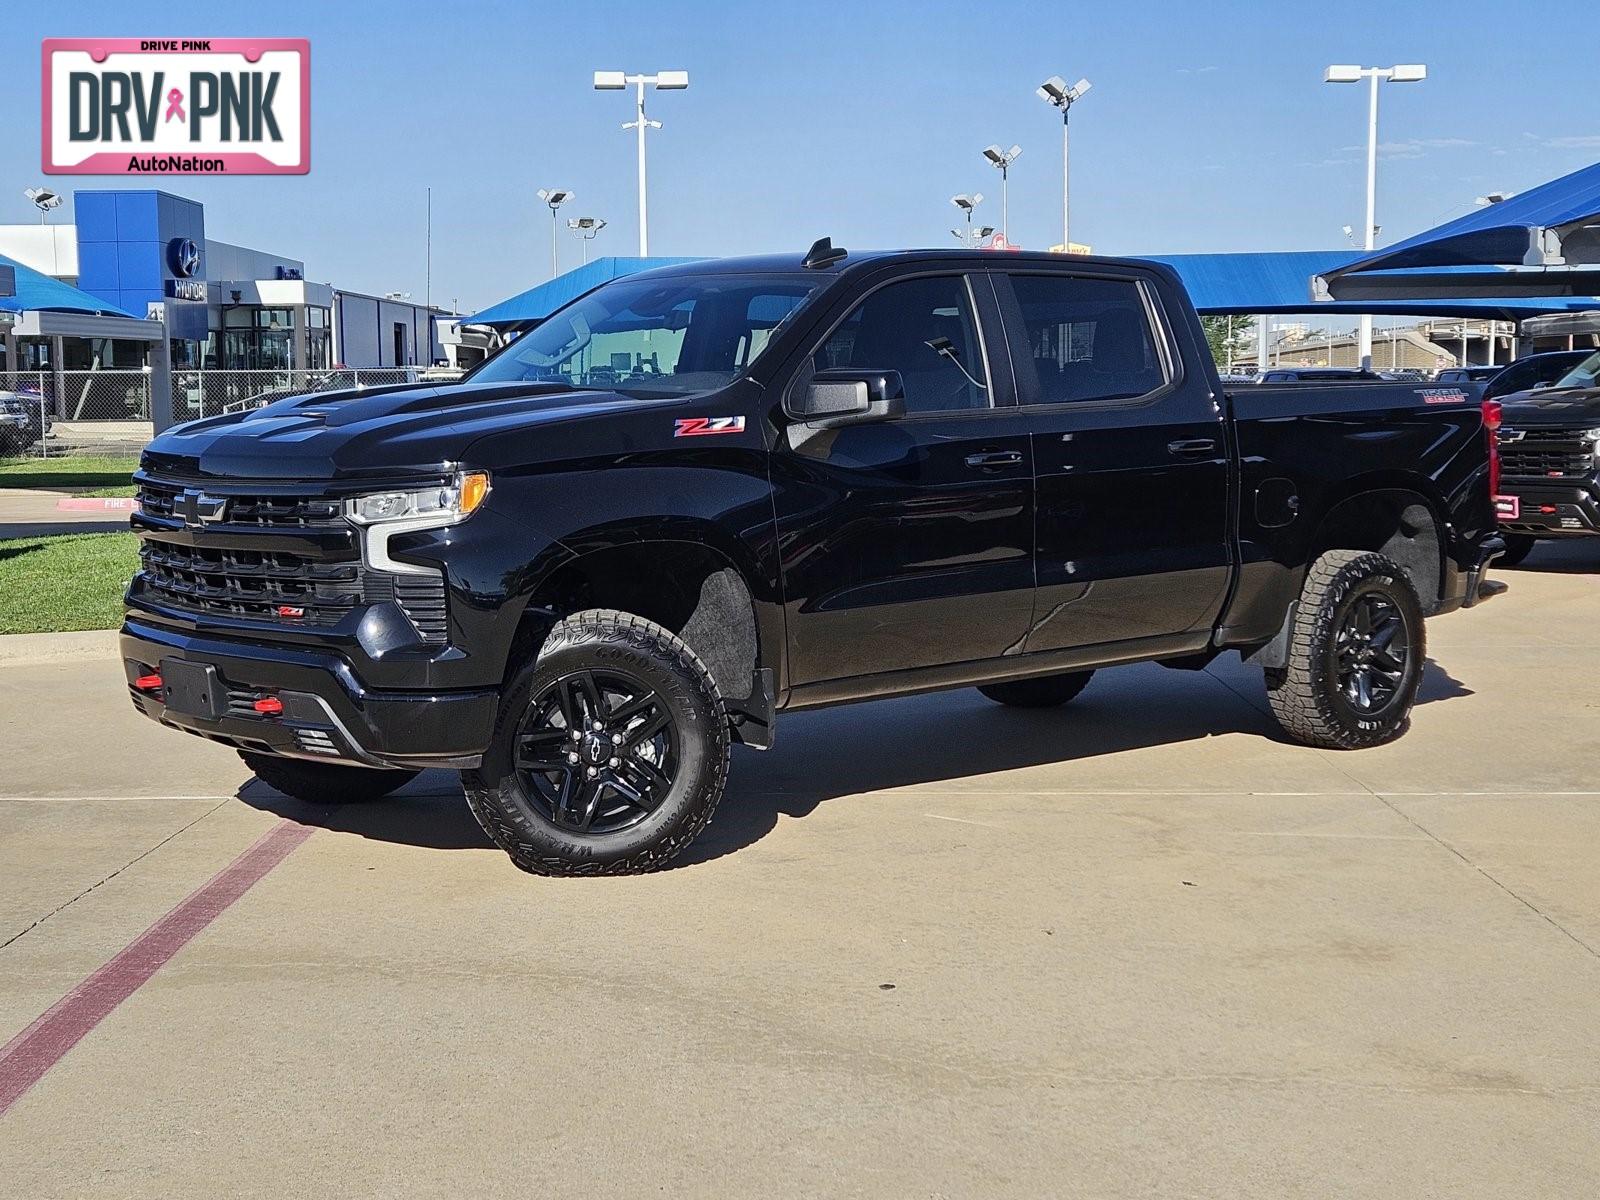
929	947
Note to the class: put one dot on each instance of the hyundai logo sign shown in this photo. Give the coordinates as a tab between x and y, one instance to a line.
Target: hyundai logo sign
185	256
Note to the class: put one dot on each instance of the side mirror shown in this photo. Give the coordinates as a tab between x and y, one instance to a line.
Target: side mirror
848	397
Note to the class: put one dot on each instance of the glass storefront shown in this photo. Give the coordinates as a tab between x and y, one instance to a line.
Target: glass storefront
253	338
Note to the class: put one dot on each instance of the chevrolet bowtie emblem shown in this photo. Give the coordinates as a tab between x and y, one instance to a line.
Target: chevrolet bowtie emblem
196	508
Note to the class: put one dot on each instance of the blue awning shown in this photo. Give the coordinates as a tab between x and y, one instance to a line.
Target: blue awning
39	293
1276	283
537	303
1217	283
1555	225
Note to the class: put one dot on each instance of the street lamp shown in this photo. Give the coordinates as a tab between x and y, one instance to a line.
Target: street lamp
978	234
1055	91
555	198
966	204
664	81
1404	73
1003	159
586	228
44	200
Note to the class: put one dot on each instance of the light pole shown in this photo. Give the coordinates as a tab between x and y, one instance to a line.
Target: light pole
1404	73
966	204
664	81
1002	159
1055	91
44	200
555	198
586	228
972	236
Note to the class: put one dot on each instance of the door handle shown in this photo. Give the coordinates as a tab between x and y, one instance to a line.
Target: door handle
1192	447
994	458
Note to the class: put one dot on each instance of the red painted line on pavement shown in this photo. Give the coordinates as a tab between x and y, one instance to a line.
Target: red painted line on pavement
94	503
26	1058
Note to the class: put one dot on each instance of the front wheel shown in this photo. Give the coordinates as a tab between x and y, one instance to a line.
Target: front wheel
1356	654
609	754
1518	547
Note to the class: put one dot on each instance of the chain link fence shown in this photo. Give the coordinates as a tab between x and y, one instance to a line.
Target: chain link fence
47	414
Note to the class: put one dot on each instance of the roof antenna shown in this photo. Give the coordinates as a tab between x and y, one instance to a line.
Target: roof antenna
823	253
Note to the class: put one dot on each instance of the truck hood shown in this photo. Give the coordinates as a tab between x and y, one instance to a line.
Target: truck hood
374	432
1570	408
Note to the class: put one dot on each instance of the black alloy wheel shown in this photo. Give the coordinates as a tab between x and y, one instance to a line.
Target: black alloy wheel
609	753
1372	650
1355	656
597	751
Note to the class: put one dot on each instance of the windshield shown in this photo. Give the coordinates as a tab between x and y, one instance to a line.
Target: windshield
659	337
1583	375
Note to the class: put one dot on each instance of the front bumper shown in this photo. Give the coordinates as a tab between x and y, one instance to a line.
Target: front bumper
327	713
1546	511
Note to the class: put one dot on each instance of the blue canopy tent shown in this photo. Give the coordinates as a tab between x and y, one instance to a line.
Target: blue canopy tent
37	307
1217	283
537	303
1549	237
34	292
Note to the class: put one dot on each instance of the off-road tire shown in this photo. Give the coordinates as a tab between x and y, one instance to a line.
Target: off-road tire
605	639
1305	695
1046	691
324	783
1518	547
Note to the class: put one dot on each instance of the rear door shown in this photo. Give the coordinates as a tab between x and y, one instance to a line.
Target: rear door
1130	460
908	543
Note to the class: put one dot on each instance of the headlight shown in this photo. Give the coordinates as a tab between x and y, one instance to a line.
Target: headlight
436	505
384	514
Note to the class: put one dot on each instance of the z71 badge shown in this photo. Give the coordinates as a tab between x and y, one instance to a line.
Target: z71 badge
705	426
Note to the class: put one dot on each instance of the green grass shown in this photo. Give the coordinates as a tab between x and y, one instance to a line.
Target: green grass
78	474
74	581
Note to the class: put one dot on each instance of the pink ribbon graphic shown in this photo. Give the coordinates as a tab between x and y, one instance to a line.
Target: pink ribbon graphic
175	105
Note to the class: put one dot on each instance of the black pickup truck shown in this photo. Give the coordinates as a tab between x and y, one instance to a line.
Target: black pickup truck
702	495
1550	447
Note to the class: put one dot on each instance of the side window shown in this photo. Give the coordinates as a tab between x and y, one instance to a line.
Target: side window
1090	339
924	329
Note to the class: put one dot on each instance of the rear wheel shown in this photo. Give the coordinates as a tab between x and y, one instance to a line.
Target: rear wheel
324	783
1047	691
1356	654
609	754
1518	547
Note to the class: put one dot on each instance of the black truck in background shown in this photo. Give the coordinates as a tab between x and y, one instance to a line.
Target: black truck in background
707	494
1550	451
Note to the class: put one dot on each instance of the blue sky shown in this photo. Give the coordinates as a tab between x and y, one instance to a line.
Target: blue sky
1208	127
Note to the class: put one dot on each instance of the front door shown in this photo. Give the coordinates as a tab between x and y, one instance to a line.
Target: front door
1130	460
908	542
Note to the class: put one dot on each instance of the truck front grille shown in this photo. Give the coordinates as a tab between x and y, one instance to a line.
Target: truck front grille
159	499
1545	454
238	574
264	585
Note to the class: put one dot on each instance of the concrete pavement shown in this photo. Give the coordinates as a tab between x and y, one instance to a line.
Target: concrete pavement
28	512
929	947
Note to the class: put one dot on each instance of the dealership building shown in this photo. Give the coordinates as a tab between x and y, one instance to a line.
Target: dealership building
147	254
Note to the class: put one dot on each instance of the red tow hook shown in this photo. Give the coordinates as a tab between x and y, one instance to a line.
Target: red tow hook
269	706
148	683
